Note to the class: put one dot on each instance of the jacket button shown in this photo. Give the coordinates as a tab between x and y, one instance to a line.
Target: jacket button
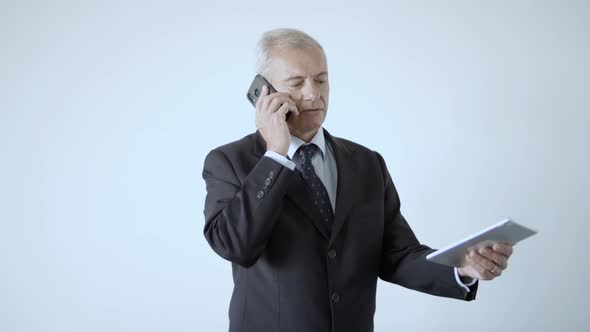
332	254
335	297
260	194
267	181
271	174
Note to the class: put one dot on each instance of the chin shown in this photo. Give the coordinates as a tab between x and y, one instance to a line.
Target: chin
307	123
309	128
313	121
304	127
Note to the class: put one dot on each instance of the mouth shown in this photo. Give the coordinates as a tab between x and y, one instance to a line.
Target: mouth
313	110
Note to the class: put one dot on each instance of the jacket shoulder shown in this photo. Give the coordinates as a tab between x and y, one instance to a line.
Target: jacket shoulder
244	145
362	155
354	147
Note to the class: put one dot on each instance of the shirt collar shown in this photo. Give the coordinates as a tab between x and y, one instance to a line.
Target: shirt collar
318	140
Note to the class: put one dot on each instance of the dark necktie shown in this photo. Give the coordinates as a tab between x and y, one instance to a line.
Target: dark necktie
302	159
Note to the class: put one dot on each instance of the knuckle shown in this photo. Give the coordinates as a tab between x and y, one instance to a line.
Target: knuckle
503	262
498	258
490	265
504	248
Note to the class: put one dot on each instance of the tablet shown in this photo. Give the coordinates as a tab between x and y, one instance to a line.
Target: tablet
507	231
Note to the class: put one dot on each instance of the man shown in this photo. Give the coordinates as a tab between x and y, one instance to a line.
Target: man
309	220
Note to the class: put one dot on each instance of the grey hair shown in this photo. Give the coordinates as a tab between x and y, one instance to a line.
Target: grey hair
281	38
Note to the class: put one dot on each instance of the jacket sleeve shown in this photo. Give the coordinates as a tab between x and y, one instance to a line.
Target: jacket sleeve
403	258
240	214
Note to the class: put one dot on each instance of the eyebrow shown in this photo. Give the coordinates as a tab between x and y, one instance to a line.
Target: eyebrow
300	77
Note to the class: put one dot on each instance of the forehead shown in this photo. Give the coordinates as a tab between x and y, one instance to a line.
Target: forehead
288	62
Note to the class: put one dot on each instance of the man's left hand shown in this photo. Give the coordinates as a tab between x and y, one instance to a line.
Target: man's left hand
486	263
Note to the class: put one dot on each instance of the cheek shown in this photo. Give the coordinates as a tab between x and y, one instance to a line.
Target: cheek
326	93
295	94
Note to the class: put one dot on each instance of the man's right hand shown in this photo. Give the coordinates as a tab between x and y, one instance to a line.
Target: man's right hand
271	111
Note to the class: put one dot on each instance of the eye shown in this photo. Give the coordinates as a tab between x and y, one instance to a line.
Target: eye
320	81
297	84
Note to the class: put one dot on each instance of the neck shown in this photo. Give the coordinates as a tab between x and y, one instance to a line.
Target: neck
305	136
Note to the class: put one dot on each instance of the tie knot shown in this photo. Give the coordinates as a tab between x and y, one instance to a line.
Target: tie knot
304	154
308	151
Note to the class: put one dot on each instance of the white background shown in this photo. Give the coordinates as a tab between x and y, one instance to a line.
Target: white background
107	110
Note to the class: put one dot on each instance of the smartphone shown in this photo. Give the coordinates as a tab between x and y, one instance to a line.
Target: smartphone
256	89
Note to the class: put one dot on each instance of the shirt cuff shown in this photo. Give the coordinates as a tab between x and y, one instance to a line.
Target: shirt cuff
280	159
465	286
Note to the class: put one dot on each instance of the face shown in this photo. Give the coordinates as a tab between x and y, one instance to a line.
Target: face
303	73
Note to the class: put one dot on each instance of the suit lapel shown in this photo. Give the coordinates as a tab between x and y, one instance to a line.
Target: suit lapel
347	182
298	194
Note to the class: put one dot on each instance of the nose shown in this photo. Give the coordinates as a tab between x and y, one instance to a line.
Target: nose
310	91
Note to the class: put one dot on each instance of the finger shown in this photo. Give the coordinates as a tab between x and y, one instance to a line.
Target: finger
482	271
274	105
260	98
503	248
265	98
282	111
279	99
293	107
486	263
499	259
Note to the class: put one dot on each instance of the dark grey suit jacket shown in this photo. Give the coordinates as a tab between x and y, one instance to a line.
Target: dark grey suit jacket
290	273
